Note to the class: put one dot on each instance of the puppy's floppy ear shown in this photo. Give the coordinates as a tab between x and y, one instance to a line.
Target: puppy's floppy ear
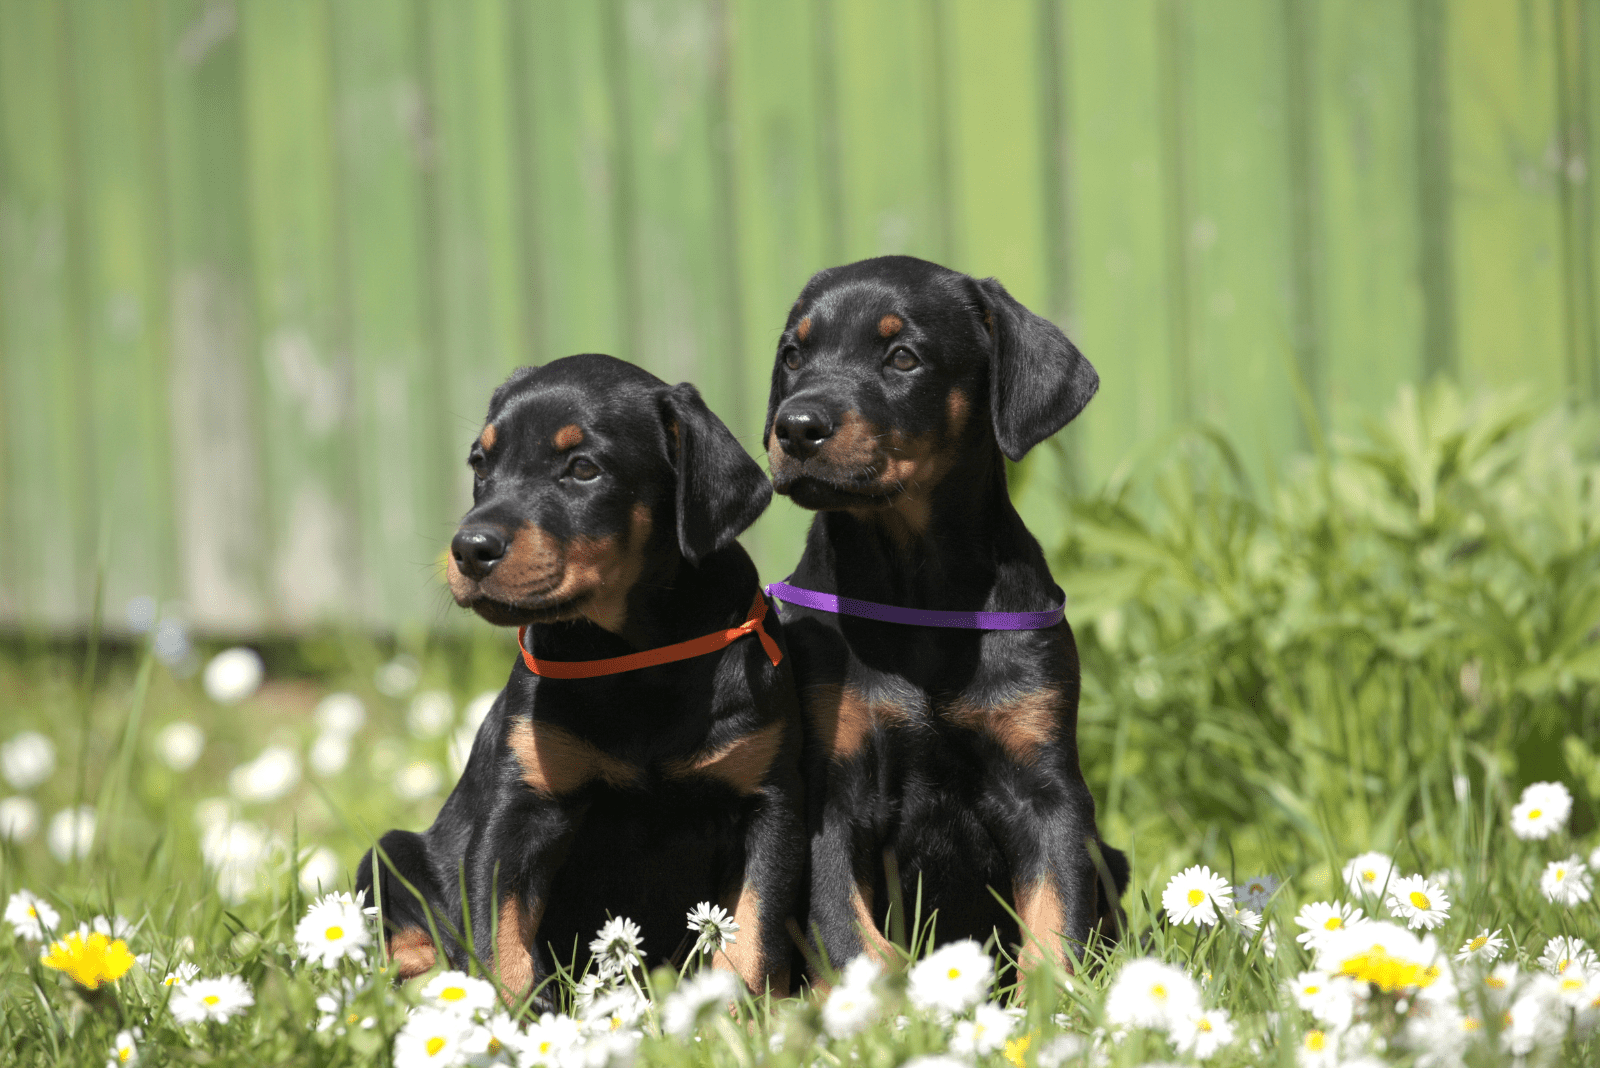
721	490
1038	380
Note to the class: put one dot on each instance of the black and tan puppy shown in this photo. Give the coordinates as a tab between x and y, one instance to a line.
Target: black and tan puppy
899	390
606	504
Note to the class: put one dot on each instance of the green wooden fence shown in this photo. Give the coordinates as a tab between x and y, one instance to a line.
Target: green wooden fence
262	261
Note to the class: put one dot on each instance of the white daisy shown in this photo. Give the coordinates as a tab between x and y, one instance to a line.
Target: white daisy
218	999
1368	874
1484	947
1567	882
1061	1049
1321	918
616	946
1241	919
985	1033
1150	993
1500	982
853	1004
333	929
953	978
496	1040
431	1036
1202	1034
181	973
616	1011
459	993
1256	893
1562	953
125	1049
1330	998
1195	894
1542	811
711	987
716	928
1422	904
1318	1049
31	916
1594	859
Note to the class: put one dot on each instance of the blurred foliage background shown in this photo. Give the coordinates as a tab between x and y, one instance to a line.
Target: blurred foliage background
261	261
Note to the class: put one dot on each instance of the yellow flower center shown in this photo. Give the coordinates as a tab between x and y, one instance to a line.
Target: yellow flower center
1311	990
1333	923
1562	966
1477	943
1495	982
616	1022
1315	1040
452	993
333	934
1203	1024
1561	873
33	913
1159	992
1471	1023
352	1018
1535	813
125	1054
1370	876
1389	973
1569	985
435	1044
544	1047
494	1045
1420	900
954	973
211	999
171	980
1195	897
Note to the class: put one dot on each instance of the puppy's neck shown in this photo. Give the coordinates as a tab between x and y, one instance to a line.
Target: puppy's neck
949	546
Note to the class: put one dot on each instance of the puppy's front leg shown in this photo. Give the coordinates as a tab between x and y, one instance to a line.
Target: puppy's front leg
765	896
510	866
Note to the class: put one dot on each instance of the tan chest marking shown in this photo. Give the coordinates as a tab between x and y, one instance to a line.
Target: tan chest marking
741	763
844	720
1022	726
556	762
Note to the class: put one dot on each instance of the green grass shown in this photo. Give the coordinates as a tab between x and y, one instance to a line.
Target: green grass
1376	652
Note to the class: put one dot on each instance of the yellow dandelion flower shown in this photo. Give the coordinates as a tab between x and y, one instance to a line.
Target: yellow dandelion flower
90	960
1017	1050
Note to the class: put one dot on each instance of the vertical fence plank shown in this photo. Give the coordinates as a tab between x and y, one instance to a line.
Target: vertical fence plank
385	140
888	154
306	375
47	491
125	394
1367	164
574	155
479	261
786	226
215	387
1239	247
1123	304
1507	170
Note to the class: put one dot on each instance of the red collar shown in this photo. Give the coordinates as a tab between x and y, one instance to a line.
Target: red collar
666	654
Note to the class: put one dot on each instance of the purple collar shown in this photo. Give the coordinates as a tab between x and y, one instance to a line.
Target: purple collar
917	617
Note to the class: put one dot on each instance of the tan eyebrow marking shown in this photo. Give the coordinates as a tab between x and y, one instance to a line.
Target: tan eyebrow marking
486	439
890	325
802	329
568	437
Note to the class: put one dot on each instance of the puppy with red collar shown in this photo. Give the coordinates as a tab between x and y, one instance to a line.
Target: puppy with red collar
643	756
938	677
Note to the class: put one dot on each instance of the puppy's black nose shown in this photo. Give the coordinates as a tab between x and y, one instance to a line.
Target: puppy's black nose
802	430
477	550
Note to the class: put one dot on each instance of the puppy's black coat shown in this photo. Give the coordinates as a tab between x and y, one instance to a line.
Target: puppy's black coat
899	390
606	504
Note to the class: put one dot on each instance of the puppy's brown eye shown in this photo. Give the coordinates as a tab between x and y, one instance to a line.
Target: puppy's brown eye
791	359
584	470
904	360
476	463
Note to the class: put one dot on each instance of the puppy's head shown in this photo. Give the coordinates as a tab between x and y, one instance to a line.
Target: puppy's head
589	474
889	367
